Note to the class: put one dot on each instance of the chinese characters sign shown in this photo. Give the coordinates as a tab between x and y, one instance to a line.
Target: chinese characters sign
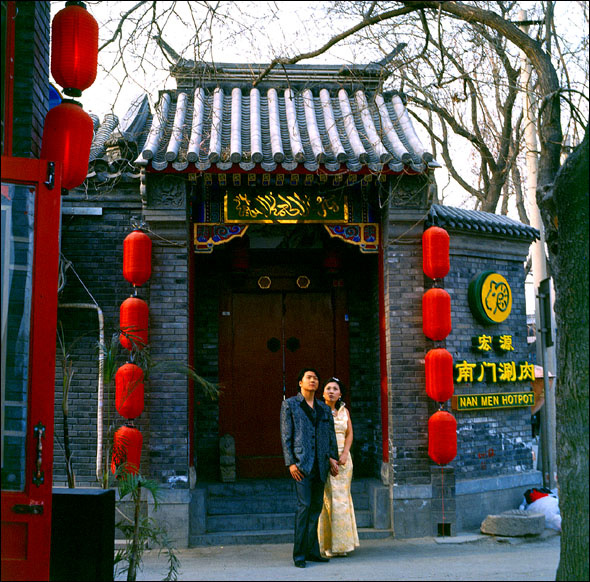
483	401
490	301
494	372
285	206
486	343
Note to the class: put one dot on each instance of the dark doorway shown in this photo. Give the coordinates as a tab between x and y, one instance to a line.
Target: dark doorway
275	321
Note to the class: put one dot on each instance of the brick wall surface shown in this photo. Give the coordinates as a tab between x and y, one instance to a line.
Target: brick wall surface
409	406
489	442
31	74
206	345
94	247
364	389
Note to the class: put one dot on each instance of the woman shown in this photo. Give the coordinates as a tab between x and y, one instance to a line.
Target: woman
337	527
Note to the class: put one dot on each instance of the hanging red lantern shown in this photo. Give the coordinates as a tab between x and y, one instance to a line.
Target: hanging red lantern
442	437
435	252
133	322
436	314
137	257
439	374
127	443
74	48
129	391
67	137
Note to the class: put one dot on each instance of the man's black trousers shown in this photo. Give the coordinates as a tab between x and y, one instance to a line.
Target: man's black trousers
310	498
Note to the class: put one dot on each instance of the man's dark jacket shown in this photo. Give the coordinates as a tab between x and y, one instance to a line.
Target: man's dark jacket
297	435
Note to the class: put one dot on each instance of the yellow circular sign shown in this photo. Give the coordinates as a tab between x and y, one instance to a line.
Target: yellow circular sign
496	297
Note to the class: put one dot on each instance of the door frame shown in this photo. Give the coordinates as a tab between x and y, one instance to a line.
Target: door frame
41	377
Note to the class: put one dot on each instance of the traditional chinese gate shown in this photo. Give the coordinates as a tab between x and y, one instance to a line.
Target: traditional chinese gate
285	310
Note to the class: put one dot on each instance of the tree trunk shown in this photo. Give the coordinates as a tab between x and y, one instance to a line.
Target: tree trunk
569	248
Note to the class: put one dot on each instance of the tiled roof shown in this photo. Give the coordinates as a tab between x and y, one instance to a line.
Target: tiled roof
451	218
288	126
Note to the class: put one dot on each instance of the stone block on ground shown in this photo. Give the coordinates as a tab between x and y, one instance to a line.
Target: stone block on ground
513	523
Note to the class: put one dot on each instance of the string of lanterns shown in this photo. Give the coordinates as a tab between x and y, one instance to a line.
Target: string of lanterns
68	129
133	323
436	325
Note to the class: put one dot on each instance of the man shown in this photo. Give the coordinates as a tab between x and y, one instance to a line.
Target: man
310	451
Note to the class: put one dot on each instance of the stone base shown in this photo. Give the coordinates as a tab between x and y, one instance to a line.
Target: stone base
412	509
173	513
514	523
477	498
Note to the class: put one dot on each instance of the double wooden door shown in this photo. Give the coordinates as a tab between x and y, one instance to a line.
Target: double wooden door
266	338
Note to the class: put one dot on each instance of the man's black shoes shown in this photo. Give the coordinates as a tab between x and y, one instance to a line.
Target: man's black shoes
317	559
300	563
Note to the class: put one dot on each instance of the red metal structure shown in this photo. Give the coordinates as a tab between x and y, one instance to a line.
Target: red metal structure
28	385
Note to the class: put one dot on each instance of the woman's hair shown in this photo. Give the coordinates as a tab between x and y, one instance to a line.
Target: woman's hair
340	385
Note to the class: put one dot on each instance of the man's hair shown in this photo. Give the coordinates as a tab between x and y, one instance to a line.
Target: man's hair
302	373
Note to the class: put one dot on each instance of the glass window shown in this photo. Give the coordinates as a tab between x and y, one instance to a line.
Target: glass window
18	205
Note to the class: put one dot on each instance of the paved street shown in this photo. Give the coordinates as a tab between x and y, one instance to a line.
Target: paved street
464	557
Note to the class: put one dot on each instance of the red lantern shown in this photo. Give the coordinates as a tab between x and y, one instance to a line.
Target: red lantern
442	437
137	257
127	443
133	321
129	391
439	374
74	48
436	314
435	252
67	137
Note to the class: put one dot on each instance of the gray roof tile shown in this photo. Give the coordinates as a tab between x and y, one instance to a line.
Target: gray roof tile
224	127
451	218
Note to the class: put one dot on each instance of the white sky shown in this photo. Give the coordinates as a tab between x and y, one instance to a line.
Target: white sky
294	31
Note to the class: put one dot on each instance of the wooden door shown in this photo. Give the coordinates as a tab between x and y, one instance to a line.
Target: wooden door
273	335
30	251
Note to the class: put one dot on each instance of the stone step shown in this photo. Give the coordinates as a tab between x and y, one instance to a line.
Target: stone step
269	537
261	487
266	521
227	505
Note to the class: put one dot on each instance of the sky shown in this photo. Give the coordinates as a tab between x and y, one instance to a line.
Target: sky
295	29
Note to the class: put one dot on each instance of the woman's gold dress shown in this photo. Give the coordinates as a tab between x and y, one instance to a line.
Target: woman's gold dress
337	527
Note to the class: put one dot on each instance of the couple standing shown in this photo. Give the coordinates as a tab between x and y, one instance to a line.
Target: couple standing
316	440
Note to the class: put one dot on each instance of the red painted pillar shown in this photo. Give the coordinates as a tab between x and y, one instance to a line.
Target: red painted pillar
383	356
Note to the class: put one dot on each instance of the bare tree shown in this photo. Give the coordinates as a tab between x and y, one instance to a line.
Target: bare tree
131	51
563	197
562	194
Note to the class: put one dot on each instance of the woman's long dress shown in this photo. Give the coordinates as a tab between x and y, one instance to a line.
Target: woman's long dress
337	527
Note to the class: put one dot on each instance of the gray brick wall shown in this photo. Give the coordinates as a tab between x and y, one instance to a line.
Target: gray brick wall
364	389
94	246
31	78
490	442
206	344
409	406
167	394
